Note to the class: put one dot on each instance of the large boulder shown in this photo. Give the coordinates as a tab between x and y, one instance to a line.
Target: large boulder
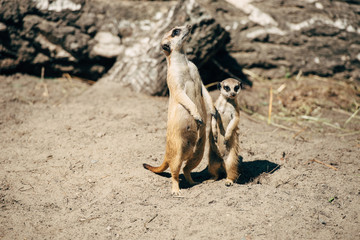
279	38
77	37
120	39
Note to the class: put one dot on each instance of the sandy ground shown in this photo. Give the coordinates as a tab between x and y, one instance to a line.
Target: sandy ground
71	168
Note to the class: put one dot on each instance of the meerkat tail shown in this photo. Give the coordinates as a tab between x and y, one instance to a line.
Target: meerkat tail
159	169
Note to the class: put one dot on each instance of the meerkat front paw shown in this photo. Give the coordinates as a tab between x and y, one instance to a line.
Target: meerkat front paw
214	113
227	139
215	134
199	122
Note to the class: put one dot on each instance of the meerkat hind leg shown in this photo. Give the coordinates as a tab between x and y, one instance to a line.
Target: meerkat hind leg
190	165
214	170
194	161
231	165
175	167
215	167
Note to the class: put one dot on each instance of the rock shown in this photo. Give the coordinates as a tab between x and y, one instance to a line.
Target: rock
57	5
107	45
277	38
3	27
121	38
41	59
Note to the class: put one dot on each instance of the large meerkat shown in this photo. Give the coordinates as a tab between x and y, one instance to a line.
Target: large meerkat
224	133
186	130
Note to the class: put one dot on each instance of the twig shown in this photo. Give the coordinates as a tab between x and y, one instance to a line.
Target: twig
283	127
224	69
344	112
270	104
274	169
211	84
23	189
323	121
347	134
281	88
46	91
327	165
298	76
42	73
352	116
298	133
105	176
88	219
178	196
253	75
311	118
150	221
152	218
333	125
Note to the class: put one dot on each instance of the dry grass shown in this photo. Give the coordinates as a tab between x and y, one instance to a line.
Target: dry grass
304	103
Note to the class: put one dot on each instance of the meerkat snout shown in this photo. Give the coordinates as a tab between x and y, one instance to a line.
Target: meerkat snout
175	39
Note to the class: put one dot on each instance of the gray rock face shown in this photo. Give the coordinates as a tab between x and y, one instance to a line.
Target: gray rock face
119	40
86	38
276	38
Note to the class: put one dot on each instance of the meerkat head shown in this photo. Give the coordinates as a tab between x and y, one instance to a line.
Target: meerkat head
174	39
229	88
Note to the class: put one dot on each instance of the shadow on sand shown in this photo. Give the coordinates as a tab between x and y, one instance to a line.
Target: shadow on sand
249	171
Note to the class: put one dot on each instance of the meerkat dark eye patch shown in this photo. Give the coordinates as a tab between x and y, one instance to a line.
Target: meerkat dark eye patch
227	88
166	47
236	88
175	32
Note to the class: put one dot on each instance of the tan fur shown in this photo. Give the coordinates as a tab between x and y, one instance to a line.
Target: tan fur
186	130
224	133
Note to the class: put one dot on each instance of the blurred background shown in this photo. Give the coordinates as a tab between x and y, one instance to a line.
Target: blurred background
305	54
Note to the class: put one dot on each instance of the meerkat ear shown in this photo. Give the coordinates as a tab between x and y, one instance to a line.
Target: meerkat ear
166	47
219	85
241	85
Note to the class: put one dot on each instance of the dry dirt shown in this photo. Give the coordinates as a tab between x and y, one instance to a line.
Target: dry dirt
71	168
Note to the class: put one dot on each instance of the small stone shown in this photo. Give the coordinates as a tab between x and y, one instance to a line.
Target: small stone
108	45
2	27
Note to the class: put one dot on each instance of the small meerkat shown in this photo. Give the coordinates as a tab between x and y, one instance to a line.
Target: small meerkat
224	133
186	130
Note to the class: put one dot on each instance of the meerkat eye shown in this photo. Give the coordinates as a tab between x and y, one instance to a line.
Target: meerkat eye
236	88
227	88
175	32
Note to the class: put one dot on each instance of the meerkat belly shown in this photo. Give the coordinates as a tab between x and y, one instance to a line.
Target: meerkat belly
225	118
193	90
180	119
